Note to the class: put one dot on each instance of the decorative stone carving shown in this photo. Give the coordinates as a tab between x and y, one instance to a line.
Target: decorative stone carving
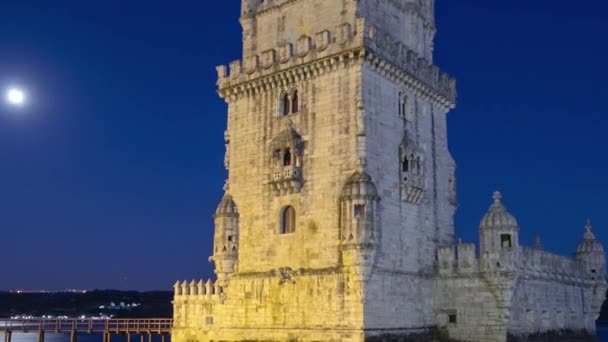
287	150
411	171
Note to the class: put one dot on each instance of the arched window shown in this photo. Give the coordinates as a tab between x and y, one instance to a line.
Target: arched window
406	165
288	220
402	105
294	102
287	157
284	105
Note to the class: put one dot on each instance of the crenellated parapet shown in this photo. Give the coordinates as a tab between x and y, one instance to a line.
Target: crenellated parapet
404	65
291	62
330	50
457	259
200	292
539	264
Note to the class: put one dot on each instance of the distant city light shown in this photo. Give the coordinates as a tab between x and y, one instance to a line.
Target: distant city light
15	96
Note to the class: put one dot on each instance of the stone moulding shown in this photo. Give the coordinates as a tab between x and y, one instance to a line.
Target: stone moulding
327	51
299	272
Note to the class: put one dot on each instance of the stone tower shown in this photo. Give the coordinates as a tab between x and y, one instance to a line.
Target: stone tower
337	221
336	150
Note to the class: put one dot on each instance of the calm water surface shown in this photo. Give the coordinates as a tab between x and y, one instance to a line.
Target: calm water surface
602	331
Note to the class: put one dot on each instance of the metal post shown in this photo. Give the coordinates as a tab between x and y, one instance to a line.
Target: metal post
128	337
73	335
163	338
40	335
150	337
7	335
142	338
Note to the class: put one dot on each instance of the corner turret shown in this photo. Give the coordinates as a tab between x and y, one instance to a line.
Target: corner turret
592	253
358	212
499	237
225	243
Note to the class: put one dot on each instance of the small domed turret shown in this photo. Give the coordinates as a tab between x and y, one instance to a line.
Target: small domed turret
589	243
591	252
499	237
359	185
226	240
358	210
498	217
227	207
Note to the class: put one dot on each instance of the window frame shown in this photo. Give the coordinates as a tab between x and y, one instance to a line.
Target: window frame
283	221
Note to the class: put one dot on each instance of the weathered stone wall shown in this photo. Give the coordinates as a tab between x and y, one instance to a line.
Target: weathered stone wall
476	307
399	302
279	306
326	121
409	232
543	305
412	22
553	294
277	22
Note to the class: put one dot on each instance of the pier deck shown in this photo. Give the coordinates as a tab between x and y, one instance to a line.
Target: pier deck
125	327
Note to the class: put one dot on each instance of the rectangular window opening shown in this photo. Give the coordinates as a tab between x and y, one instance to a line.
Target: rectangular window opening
359	210
452	318
506	241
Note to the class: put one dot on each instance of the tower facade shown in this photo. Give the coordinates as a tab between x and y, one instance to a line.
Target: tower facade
341	189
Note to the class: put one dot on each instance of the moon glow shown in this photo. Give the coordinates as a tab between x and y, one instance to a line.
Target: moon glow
15	97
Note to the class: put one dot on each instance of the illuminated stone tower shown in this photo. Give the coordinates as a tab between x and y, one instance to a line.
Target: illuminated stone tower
340	185
337	221
331	95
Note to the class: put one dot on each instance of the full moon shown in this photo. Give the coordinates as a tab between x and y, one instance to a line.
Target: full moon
15	97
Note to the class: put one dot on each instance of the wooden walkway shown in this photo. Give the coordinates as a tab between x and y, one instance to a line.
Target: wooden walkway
107	327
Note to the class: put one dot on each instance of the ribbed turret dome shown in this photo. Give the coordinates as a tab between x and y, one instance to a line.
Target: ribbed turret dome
498	216
359	184
589	243
227	207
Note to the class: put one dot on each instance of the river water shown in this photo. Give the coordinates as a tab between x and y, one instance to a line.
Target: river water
602	330
51	337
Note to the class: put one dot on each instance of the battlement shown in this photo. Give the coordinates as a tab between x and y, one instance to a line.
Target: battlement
323	52
256	7
209	292
457	259
542	264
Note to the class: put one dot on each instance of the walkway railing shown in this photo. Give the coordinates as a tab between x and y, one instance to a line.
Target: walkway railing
107	327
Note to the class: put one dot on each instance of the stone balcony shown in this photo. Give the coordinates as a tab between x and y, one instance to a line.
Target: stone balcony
286	180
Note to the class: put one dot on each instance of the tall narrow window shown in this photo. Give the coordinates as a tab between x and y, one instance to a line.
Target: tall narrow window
406	165
359	211
288	220
402	105
287	157
294	102
284	104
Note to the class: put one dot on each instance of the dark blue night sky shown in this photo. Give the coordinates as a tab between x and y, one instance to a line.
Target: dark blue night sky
110	176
